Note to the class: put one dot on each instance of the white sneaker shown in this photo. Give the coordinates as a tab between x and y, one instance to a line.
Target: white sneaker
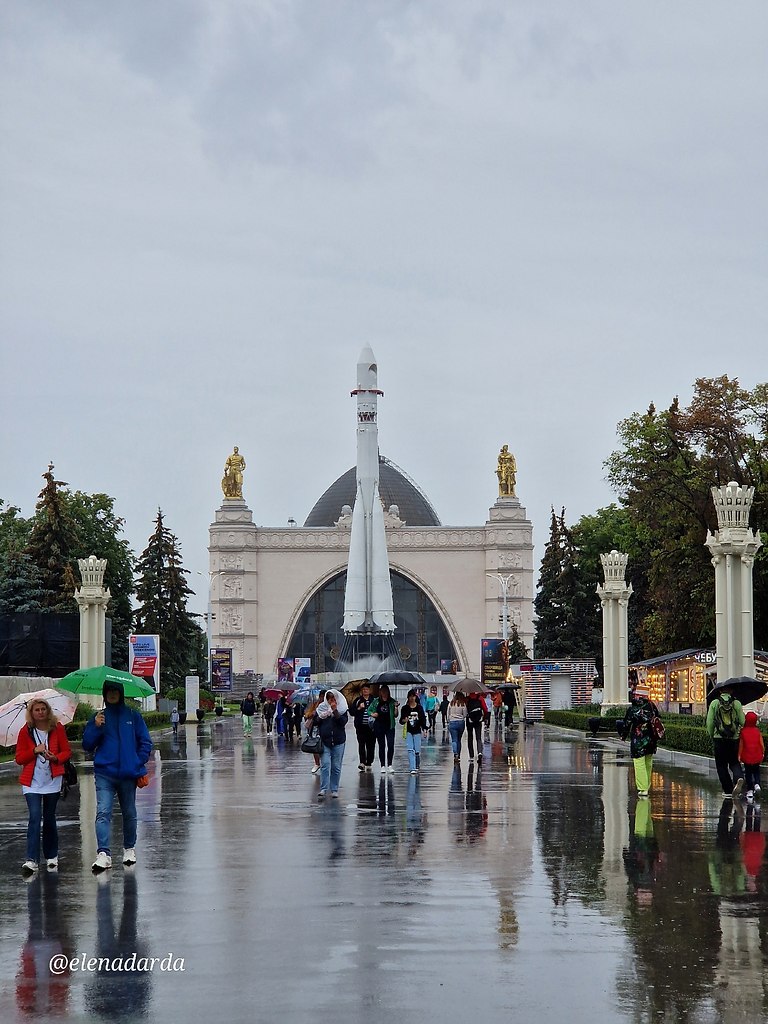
757	787
52	864
129	856
29	867
102	862
316	769
391	769
383	768
414	771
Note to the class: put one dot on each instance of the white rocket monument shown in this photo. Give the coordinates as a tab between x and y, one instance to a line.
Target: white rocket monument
368	595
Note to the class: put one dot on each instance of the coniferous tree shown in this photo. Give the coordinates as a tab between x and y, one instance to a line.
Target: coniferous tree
549	614
516	649
51	546
162	593
20	584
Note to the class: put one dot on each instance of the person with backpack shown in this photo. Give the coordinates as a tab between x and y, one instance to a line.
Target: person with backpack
725	718
640	728
476	711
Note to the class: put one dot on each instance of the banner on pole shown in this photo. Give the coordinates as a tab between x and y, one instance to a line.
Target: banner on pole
144	658
221	669
494	662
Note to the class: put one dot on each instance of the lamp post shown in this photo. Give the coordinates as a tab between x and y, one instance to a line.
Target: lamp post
504	582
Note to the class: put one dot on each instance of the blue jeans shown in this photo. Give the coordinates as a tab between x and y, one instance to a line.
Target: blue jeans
330	767
413	745
42	808
456	730
106	790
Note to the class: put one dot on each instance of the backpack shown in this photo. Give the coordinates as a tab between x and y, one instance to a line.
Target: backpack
726	723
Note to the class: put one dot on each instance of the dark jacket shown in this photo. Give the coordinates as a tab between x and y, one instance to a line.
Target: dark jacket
385	715
333	730
414	717
639	727
359	708
248	707
476	710
122	745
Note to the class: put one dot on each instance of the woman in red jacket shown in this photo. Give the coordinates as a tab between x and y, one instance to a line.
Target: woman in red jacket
751	753
41	750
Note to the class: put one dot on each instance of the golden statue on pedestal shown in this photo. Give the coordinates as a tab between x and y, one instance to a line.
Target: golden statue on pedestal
506	472
232	481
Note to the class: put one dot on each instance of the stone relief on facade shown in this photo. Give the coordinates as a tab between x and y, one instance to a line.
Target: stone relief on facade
510	560
232	563
233	588
231	620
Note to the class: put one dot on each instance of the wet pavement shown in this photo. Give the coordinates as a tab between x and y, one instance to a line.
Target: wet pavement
537	888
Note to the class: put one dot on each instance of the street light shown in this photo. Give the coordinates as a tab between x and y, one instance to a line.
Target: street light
208	621
504	582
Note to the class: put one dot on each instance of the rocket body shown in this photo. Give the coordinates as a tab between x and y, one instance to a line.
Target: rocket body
368	594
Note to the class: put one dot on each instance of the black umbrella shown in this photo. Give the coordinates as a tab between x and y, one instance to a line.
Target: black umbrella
744	688
400	676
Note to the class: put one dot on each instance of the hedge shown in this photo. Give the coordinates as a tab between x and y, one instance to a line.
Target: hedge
683	732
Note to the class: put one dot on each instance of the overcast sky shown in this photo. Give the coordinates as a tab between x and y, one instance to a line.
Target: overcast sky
540	215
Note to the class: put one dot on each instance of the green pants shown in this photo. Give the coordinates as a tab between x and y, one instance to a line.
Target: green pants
643	772
247	723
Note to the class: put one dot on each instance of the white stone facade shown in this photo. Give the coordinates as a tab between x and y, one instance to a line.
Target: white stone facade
263	577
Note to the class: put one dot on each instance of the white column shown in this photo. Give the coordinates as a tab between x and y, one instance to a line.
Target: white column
92	599
733	547
614	599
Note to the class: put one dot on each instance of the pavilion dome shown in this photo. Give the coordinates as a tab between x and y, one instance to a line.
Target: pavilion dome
395	488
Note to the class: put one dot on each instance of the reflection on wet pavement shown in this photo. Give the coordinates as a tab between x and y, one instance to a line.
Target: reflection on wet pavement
535	885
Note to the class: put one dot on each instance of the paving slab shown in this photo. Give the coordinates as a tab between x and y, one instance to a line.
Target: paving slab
534	887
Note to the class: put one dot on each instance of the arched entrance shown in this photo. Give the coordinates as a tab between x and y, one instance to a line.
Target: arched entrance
421	636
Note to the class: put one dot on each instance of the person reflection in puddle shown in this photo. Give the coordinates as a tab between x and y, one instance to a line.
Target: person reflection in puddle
642	857
477	806
116	994
39	993
752	841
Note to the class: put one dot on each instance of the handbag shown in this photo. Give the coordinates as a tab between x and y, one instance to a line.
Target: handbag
70	774
658	728
312	743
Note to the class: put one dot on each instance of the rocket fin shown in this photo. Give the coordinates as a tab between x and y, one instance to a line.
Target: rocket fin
354	593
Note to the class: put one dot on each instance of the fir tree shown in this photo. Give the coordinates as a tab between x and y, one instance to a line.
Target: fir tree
162	593
516	648
20	584
549	615
51	546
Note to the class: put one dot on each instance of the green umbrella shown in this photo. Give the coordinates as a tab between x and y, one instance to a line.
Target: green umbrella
91	680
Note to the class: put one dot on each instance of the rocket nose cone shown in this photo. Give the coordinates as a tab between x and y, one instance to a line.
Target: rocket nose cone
367	370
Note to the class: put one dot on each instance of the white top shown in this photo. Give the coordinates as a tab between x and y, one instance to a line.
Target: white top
42	780
457	712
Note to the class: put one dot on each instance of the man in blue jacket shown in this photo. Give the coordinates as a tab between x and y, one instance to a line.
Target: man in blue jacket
119	740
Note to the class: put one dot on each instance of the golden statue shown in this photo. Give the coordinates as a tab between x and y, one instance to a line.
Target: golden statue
506	471
232	481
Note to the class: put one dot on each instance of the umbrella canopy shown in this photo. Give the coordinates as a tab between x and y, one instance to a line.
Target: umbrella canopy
91	680
400	677
469	686
305	695
744	689
272	693
13	713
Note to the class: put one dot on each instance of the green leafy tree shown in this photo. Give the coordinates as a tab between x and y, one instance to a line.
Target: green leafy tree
162	593
663	473
51	545
97	531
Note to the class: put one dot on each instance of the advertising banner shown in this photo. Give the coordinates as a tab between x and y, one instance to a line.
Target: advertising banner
221	669
285	670
494	661
302	669
144	658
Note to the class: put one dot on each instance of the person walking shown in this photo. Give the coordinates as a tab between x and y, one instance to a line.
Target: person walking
119	740
476	711
41	749
383	711
725	718
366	740
457	720
280	714
444	703
269	713
431	708
639	728
751	753
175	718
309	715
414	719
330	719
248	710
